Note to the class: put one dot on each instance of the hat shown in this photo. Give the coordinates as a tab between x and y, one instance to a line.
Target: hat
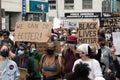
23	45
71	39
73	31
99	78
83	48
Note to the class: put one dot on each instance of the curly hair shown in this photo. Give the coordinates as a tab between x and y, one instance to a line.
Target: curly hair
81	71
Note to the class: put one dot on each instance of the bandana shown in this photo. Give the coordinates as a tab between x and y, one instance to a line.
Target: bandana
83	48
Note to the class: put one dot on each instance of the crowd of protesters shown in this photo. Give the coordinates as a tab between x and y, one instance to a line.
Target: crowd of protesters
74	62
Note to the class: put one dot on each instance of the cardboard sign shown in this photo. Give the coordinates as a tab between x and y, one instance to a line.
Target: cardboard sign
116	42
32	31
88	32
56	23
69	24
23	73
41	47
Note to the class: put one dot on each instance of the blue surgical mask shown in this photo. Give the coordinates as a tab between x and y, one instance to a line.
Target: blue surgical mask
20	52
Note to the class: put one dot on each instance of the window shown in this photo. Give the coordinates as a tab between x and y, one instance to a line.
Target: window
87	4
52	4
106	6
69	1
69	4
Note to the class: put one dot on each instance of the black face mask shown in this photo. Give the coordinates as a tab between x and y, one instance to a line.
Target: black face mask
50	51
4	53
77	55
102	44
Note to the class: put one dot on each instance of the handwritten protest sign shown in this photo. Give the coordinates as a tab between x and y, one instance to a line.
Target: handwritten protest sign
41	47
32	31
116	42
88	32
23	73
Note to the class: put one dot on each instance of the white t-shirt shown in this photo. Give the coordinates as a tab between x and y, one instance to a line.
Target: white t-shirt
93	65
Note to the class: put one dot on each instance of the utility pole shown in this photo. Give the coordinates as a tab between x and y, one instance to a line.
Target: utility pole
57	9
0	16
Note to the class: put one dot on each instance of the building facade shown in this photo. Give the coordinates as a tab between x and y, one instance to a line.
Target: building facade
12	10
75	10
18	10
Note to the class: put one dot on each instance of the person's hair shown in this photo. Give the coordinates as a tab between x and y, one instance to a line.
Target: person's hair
4	52
34	44
7	32
89	52
1	32
82	71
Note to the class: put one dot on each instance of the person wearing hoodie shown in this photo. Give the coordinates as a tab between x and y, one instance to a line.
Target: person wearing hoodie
84	51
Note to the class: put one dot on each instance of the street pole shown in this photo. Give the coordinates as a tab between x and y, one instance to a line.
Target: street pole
57	8
42	8
0	16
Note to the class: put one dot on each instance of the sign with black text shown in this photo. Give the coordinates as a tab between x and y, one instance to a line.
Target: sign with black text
32	31
88	32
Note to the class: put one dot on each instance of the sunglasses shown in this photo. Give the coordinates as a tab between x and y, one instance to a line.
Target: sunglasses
4	35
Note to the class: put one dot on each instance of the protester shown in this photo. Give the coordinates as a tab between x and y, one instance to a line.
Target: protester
54	35
8	68
6	37
8	44
104	55
69	55
73	37
24	61
81	72
85	53
1	37
101	32
49	64
116	63
35	56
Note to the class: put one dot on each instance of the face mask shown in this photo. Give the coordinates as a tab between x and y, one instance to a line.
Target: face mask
77	55
50	51
55	38
102	44
4	53
5	37
20	52
32	50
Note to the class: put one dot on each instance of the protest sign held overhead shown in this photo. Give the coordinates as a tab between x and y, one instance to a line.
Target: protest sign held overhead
56	23
88	32
116	42
69	24
32	31
23	73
